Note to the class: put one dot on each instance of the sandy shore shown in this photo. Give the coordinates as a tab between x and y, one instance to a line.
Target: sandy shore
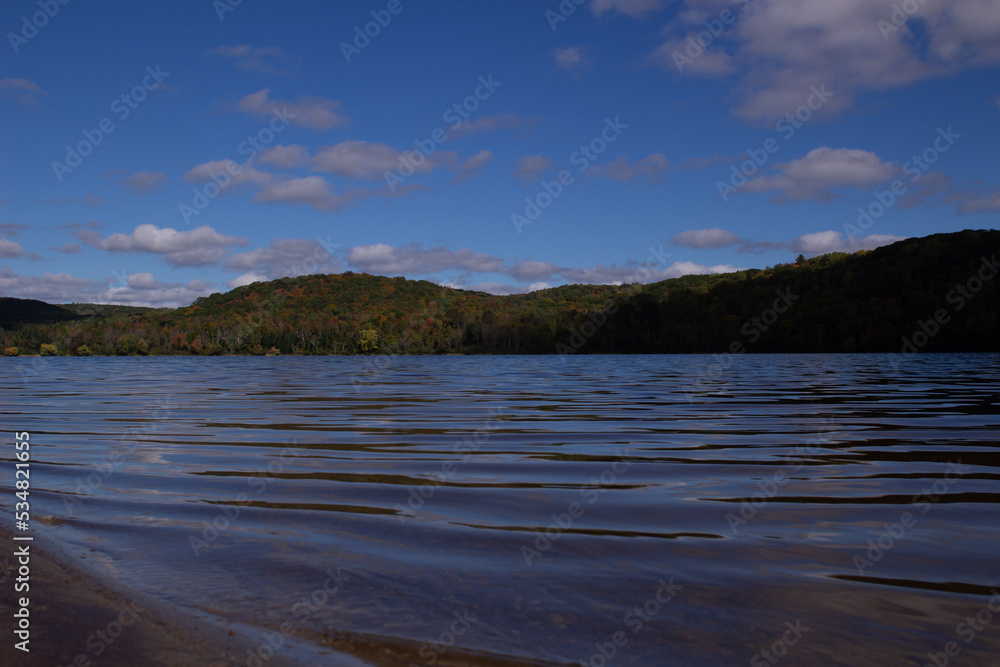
79	619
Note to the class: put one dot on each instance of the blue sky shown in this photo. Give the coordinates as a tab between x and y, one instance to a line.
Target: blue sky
497	146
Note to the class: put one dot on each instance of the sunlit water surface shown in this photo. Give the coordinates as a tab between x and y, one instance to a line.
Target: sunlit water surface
666	510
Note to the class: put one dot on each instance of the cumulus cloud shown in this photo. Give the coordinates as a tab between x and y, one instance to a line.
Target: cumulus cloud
414	259
533	271
819	243
530	168
779	49
10	249
822	171
144	290
53	287
713	237
547	272
201	246
633	8
813	243
238	174
287	157
361	160
140	289
145	182
314	113
498	289
287	258
23	91
649	168
312	191
247	278
623	275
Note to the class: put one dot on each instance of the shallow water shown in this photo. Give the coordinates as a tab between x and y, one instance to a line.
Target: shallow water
666	510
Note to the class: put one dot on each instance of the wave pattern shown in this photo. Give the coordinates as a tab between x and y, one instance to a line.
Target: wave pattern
648	510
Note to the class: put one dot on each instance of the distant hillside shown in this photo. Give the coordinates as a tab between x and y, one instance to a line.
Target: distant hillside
866	301
14	312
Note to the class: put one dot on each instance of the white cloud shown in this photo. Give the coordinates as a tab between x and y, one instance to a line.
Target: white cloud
621	275
286	258
813	243
781	48
498	289
414	259
239	174
52	287
528	270
706	238
198	247
311	190
361	160
818	243
246	279
288	157
142	289
546	272
315	113
821	171
10	249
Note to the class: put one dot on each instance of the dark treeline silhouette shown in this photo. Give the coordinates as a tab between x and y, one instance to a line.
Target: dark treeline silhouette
936	293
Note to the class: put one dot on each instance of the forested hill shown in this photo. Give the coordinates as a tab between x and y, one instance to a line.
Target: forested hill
938	293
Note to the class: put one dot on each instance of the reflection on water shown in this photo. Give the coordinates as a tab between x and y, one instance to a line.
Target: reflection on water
644	510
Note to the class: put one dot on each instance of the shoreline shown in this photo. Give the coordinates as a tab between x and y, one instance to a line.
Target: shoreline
80	618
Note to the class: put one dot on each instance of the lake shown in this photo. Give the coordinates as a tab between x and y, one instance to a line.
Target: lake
596	510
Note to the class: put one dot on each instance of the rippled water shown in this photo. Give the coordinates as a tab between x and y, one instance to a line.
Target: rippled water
666	510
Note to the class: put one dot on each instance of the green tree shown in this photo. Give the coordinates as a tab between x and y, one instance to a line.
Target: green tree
126	345
369	340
